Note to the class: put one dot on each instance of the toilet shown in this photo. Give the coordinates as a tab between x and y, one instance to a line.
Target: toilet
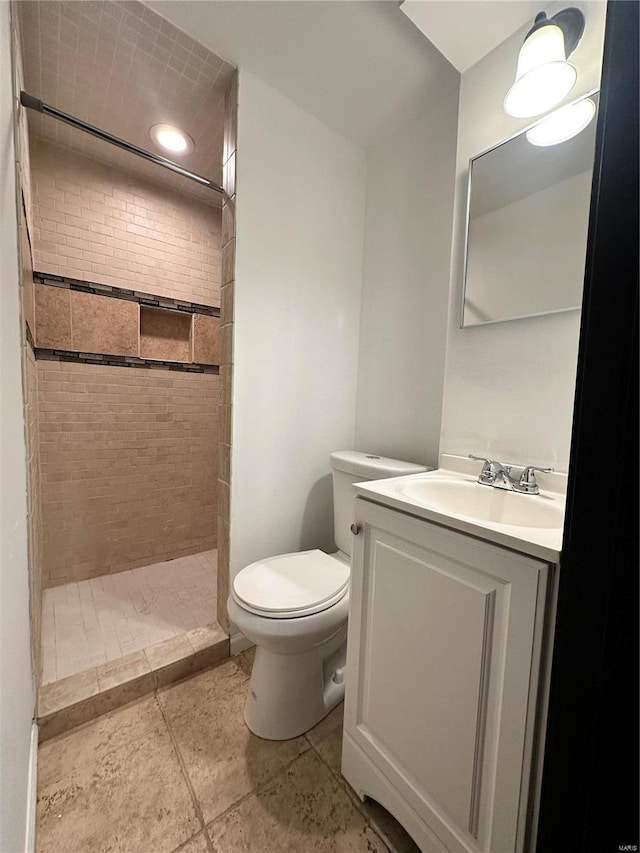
294	607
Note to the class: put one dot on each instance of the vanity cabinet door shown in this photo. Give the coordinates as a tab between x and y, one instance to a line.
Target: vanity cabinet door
442	672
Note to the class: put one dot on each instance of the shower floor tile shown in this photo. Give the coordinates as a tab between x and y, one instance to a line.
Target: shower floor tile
91	622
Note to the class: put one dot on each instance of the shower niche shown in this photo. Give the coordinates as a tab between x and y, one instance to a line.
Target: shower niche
173	336
165	335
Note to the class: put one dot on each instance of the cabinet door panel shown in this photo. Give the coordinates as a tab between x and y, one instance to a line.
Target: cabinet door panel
427	641
441	638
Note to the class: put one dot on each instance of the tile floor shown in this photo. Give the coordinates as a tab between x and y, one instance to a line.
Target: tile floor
92	622
179	771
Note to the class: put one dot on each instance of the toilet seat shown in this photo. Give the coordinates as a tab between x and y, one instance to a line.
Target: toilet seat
291	585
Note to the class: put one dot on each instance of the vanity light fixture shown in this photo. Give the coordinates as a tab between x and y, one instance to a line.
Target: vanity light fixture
172	139
543	76
562	124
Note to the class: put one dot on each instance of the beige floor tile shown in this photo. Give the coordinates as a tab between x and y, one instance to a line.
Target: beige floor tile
330	750
326	738
395	836
168	651
117	672
245	660
223	759
198	844
68	691
114	784
304	809
205	637
334	720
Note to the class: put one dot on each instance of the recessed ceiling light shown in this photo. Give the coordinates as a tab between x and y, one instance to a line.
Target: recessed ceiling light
562	124
172	139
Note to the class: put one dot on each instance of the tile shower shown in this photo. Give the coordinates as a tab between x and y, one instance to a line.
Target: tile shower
127	284
122	286
109	617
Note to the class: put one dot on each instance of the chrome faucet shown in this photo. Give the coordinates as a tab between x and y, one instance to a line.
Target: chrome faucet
500	477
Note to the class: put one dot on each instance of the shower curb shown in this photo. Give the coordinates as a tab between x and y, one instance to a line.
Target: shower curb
72	701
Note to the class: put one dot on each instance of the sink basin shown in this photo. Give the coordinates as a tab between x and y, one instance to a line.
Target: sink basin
468	499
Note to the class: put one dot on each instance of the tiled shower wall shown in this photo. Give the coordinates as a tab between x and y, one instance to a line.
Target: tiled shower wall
128	456
29	371
34	498
226	349
97	223
128	467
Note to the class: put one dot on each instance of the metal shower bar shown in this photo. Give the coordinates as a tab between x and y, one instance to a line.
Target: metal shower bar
39	106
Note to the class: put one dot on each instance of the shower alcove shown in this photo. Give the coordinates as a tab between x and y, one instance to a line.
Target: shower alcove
127	304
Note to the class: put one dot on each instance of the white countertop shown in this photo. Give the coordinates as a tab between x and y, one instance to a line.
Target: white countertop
542	542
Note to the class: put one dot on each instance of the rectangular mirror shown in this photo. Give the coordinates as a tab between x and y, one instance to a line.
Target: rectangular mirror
527	220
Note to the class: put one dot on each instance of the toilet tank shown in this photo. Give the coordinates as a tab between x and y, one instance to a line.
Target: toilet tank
352	466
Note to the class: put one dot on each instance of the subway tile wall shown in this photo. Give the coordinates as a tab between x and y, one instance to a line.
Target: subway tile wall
34	503
226	346
128	463
101	224
29	371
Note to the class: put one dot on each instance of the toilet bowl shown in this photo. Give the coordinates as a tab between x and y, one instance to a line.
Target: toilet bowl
297	675
295	607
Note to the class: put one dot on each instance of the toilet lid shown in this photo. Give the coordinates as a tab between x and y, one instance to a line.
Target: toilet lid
292	584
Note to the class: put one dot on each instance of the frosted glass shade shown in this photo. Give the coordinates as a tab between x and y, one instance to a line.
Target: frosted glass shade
543	76
563	123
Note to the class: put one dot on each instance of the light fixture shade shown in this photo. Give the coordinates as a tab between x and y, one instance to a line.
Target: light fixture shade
171	138
543	45
563	123
543	76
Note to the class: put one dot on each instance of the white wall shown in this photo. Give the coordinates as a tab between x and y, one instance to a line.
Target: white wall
300	224
16	689
405	289
509	387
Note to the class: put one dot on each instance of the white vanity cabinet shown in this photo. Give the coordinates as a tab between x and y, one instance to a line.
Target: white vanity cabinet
443	673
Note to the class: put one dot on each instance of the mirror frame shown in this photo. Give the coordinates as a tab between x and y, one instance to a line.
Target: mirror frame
520	132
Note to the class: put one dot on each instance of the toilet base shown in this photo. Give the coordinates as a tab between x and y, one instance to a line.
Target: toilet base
289	694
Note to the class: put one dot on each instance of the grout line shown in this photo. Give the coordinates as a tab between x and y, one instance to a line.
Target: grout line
189	840
259	788
242	799
185	774
70	318
351	794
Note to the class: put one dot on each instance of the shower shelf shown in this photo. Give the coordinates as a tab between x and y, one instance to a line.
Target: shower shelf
165	335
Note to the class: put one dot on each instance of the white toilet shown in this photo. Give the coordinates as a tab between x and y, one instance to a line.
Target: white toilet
294	607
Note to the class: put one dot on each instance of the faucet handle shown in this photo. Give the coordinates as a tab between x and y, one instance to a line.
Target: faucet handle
528	477
481	459
487	475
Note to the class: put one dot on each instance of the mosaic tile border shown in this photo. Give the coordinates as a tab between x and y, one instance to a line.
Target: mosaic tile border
43	354
123	293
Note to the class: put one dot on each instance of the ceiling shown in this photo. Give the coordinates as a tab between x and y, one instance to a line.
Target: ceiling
123	68
359	66
466	30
